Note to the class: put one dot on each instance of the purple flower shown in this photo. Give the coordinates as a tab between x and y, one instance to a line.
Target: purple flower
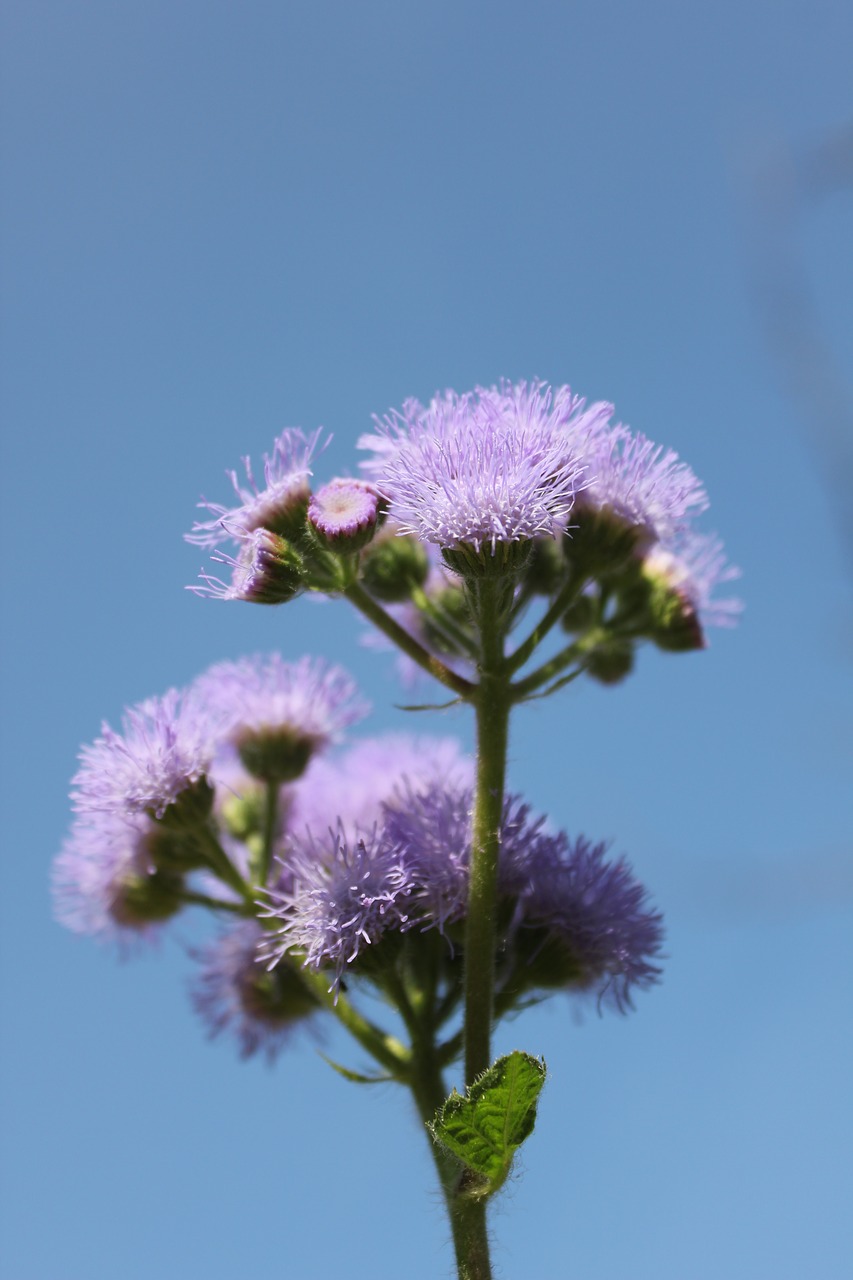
166	746
261	698
350	789
267	571
285	493
105	882
491	466
346	895
642	484
693	565
344	513
597	911
234	992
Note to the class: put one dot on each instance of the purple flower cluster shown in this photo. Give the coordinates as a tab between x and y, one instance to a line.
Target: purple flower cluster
351	890
516	462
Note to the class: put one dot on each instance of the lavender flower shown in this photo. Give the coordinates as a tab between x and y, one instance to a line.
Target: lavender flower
233	992
597	913
105	882
165	749
488	467
643	485
346	895
276	506
276	713
349	790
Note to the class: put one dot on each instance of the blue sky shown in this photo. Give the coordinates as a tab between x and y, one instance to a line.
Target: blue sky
221	220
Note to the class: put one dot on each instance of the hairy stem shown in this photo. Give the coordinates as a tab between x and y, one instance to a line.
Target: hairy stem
565	596
492	705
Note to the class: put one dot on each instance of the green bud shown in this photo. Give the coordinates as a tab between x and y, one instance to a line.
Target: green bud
392	565
610	661
581	614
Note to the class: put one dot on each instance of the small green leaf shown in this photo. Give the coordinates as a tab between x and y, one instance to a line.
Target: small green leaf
354	1076
485	1128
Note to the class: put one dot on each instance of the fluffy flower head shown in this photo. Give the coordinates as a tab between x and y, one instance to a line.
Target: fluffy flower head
492	466
166	746
264	693
269	506
643	484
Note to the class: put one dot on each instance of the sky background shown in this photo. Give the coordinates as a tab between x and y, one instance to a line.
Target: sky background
219	220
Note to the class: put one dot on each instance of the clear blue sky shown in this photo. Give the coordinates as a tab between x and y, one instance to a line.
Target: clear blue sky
222	219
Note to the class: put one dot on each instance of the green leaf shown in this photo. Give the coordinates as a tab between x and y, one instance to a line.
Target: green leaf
354	1076
485	1128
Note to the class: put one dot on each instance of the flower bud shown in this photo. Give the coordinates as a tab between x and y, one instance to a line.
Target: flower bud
392	565
343	515
546	569
610	661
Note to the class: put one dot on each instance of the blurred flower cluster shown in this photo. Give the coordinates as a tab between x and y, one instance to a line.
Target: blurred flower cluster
351	862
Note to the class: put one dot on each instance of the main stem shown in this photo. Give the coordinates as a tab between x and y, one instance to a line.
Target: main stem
492	706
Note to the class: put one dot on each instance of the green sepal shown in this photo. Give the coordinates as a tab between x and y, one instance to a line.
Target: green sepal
485	1128
354	1076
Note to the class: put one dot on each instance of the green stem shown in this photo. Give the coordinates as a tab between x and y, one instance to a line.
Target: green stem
441	620
193	899
374	612
385	1048
467	1216
565	596
219	862
492	705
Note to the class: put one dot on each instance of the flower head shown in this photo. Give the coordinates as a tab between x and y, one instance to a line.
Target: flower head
689	569
105	881
234	992
276	506
493	466
276	713
597	913
643	485
347	894
165	748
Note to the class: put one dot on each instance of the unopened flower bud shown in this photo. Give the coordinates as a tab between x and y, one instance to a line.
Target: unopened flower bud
343	515
611	661
392	565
